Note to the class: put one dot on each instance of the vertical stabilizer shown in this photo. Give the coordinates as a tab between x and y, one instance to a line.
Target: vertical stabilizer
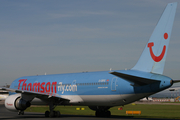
154	55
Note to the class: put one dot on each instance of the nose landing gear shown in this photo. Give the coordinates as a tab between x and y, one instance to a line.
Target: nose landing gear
20	112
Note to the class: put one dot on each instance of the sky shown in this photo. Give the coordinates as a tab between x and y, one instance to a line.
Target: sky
40	37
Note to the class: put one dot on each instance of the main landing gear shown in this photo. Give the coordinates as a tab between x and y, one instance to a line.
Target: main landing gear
52	113
102	113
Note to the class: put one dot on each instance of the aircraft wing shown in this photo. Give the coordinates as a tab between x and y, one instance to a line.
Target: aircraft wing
38	94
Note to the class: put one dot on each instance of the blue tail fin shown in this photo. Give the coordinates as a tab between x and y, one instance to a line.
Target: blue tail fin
154	55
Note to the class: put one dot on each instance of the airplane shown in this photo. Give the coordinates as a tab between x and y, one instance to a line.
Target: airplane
3	97
172	92
103	89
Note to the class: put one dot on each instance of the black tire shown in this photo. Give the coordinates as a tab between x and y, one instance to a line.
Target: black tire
47	114
97	114
58	114
108	113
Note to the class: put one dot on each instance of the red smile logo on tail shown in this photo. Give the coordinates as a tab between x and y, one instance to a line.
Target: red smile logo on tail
160	57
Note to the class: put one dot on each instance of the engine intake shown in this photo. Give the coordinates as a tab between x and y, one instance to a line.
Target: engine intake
21	104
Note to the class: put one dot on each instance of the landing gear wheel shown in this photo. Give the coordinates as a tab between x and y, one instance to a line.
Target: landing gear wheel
108	113
103	113
52	104
97	114
51	114
47	114
21	113
58	114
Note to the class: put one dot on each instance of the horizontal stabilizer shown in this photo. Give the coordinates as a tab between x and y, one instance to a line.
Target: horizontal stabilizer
135	79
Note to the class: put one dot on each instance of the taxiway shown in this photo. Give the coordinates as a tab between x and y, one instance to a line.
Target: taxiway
8	115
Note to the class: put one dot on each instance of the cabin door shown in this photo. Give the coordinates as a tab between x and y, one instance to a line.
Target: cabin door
113	84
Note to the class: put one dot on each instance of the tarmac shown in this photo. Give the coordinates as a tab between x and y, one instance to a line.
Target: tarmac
8	115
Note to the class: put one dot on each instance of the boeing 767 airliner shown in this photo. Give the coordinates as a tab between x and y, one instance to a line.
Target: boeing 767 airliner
100	90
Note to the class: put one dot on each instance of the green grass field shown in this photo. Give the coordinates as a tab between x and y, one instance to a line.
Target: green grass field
147	110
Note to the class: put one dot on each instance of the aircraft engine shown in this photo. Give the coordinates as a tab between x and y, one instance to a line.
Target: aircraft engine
15	103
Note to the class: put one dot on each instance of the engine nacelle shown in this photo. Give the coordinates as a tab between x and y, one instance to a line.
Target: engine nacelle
15	103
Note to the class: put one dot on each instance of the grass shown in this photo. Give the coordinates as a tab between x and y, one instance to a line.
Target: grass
147	110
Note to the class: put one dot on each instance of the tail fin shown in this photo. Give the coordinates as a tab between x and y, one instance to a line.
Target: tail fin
154	55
